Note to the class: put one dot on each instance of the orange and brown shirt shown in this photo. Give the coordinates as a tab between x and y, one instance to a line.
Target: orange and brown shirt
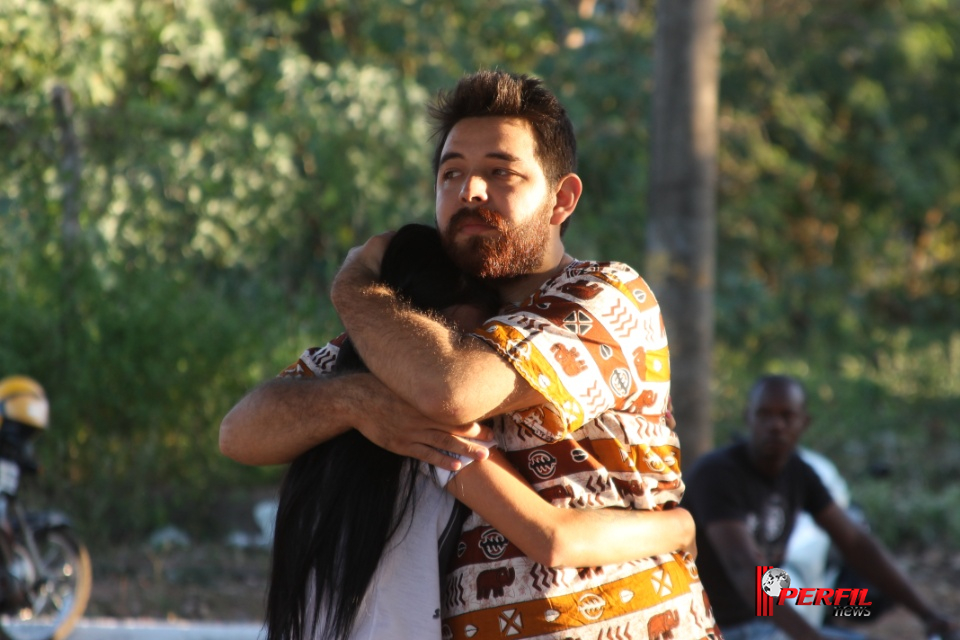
592	341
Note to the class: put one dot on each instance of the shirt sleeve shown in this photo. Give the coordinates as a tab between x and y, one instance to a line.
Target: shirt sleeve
590	340
715	492
816	496
315	361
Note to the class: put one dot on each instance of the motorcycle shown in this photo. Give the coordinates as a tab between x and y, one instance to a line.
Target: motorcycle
45	570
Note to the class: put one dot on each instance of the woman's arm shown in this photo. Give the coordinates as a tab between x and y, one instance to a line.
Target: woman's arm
557	537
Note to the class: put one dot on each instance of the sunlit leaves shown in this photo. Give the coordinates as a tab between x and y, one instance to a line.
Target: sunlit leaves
925	44
835	137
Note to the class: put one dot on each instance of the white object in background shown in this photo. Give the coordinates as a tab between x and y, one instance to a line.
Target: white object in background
809	546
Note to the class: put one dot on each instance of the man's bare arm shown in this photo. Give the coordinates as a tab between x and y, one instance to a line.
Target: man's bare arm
284	417
868	556
450	377
739	556
271	424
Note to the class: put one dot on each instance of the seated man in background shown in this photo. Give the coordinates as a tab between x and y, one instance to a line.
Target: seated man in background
745	498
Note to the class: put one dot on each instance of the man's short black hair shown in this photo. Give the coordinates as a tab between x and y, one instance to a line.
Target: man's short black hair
776	379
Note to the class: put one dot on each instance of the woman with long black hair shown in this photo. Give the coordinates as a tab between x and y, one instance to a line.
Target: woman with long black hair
359	539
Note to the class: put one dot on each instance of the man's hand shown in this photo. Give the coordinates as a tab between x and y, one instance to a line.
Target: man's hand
360	269
393	424
941	627
431	445
369	255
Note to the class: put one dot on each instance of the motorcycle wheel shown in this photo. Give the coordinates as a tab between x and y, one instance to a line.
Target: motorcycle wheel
59	590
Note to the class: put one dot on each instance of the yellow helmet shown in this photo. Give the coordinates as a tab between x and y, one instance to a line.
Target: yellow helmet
22	400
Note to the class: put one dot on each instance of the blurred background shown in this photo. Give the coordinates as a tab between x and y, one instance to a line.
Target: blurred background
180	180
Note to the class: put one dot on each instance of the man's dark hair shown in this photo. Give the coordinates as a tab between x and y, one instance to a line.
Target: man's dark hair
780	380
498	93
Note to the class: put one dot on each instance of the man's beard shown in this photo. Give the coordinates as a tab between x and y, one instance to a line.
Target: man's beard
513	252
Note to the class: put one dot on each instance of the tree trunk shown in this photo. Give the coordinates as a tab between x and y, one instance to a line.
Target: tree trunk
681	234
69	165
70	171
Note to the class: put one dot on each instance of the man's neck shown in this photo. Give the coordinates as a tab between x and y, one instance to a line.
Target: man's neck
768	468
516	290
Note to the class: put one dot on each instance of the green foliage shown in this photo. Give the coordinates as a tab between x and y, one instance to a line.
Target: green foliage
169	242
839	218
840	149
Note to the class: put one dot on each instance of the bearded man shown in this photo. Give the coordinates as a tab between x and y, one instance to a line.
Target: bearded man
573	372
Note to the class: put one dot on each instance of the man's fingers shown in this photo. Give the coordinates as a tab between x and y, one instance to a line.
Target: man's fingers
384	238
435	457
374	248
458	446
473	430
445	450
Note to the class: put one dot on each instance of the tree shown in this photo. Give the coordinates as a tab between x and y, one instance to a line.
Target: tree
681	234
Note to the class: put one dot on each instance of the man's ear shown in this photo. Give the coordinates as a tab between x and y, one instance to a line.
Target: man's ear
568	195
807	421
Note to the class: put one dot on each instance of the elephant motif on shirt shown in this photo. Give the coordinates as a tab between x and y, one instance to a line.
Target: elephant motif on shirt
661	626
492	581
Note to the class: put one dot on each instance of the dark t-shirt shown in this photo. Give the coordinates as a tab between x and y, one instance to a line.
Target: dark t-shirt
724	485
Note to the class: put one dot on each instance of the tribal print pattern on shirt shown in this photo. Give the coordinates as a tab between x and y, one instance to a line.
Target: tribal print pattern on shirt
315	361
592	341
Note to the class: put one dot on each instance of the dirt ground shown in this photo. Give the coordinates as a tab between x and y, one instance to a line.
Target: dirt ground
936	575
201	582
213	582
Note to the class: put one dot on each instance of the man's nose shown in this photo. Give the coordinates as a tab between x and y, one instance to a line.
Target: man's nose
777	423
474	190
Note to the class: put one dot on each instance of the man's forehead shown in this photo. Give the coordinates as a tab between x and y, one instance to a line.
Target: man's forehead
778	392
491	135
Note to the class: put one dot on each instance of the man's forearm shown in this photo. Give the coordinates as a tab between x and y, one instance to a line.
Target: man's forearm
448	377
867	556
396	342
284	417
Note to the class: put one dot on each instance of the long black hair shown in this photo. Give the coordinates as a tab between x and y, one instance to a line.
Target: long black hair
342	501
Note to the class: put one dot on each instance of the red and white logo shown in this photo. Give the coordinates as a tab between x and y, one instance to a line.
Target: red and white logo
773	588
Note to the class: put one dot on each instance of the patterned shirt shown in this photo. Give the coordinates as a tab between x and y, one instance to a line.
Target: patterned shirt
316	361
592	341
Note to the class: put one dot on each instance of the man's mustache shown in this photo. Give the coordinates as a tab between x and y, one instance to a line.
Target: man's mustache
488	216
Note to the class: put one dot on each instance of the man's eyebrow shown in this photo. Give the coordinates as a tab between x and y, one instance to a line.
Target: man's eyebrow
502	155
450	155
497	155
